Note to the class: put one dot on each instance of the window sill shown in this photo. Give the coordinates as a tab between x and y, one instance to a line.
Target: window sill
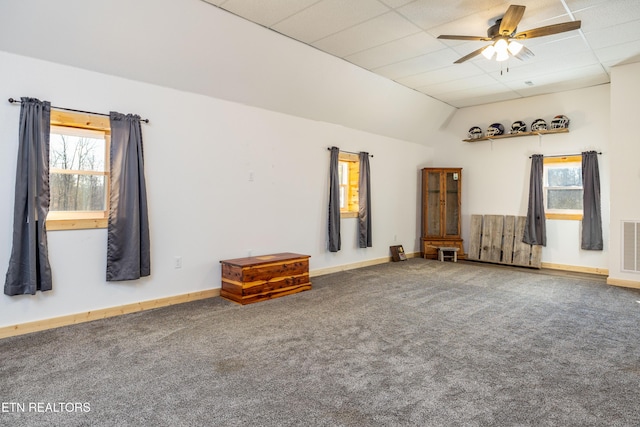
569	217
76	224
348	214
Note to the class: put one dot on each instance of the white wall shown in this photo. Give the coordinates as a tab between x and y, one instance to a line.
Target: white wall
199	152
496	174
625	156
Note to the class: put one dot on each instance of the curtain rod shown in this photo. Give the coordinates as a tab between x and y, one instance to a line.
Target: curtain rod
350	152
567	155
13	101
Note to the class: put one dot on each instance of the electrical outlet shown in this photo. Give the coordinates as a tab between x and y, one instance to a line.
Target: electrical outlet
177	262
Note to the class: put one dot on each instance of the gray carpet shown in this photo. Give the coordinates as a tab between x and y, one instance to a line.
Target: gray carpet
409	343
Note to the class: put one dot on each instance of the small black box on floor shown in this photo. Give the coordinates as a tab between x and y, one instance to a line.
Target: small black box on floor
397	253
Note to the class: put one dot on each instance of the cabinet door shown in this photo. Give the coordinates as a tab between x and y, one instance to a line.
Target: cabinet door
451	194
432	203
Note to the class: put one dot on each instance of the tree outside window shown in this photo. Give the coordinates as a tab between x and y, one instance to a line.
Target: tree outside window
78	171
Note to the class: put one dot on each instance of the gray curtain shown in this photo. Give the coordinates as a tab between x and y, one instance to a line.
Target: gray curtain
364	202
592	217
535	231
29	270
334	201
128	248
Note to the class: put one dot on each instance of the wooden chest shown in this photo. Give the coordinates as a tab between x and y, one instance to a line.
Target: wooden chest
253	279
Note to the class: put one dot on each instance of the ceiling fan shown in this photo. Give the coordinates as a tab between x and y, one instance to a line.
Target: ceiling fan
504	37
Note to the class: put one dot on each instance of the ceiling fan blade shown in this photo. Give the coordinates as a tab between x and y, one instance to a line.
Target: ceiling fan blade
471	55
472	38
511	19
524	54
548	30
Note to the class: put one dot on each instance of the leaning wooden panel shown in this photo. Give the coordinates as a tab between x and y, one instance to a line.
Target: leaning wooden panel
521	250
503	235
508	239
492	238
475	238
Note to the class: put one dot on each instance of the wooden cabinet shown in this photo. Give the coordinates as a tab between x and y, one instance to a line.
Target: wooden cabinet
441	196
259	278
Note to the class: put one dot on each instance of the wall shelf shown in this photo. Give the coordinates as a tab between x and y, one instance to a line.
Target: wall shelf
517	135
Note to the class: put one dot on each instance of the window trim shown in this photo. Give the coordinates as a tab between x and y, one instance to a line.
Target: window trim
571	215
79	220
351	196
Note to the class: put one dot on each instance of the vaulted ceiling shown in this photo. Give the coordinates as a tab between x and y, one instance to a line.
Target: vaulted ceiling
397	39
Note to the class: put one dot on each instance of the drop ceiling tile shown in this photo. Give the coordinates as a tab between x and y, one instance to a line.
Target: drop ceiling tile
266	13
374	32
606	37
556	47
589	76
557	66
618	54
428	14
557	43
396	51
327	17
540	13
609	15
577	5
567	80
474	24
419	64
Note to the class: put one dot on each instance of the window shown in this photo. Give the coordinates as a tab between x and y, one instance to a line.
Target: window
563	187
78	171
349	175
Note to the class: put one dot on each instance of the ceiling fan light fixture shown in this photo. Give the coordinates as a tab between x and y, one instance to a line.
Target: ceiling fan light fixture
502	55
501	46
488	51
515	48
504	30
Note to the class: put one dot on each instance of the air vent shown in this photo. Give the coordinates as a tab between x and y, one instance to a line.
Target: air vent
631	246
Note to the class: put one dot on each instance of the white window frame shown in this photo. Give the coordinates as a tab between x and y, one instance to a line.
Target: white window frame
561	162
